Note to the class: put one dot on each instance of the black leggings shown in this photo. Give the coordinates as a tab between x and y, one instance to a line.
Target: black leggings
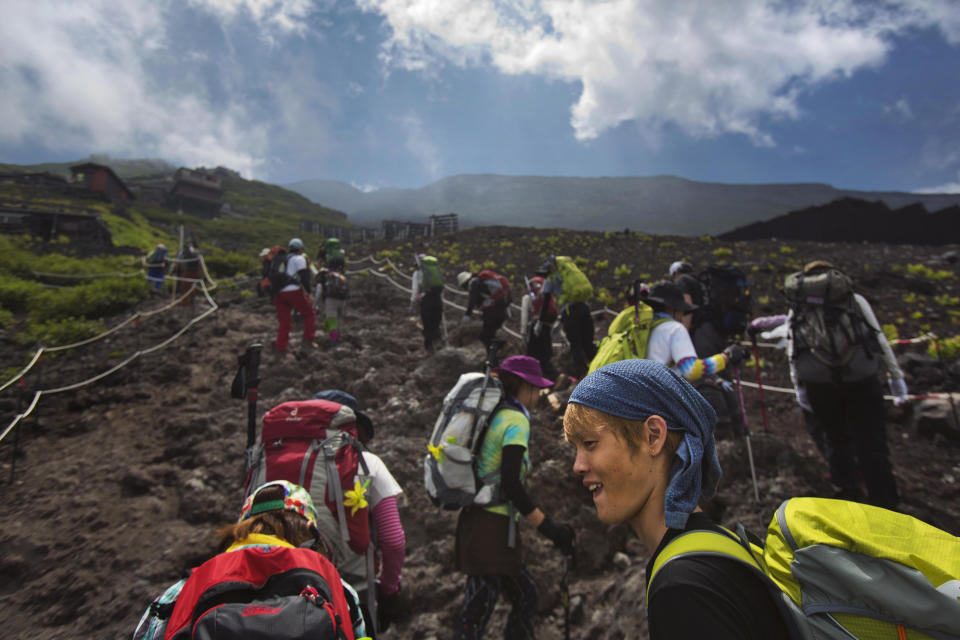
481	598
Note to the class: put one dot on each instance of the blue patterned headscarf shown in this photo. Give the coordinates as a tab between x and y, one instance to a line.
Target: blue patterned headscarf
637	389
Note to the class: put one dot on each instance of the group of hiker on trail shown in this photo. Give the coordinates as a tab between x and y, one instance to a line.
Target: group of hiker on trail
318	548
290	278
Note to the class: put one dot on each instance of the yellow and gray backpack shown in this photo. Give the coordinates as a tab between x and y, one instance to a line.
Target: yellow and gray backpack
575	284
627	336
842	570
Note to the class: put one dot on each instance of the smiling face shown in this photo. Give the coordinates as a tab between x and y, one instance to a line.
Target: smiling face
620	481
623	464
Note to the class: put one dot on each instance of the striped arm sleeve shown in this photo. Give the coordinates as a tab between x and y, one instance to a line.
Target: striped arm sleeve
694	368
393	543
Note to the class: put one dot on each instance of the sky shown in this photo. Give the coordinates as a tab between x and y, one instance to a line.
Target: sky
860	94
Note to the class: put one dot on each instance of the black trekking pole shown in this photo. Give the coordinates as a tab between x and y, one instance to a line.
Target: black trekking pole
746	433
252	385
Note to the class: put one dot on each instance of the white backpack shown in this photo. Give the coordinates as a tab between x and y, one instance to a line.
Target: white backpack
450	467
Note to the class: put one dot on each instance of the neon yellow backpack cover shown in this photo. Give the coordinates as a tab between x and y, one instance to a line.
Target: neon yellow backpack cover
576	286
846	570
626	337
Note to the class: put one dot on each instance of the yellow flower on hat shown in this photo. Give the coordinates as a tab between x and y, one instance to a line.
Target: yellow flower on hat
356	499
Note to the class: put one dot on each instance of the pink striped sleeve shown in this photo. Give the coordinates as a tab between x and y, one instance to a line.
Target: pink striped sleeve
393	543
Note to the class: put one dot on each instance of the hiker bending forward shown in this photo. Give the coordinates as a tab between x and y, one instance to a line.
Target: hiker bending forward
483	549
645	451
276	521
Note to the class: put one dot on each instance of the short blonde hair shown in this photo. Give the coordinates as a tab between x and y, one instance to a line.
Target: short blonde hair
579	420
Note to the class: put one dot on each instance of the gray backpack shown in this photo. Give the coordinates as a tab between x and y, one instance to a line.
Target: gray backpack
832	341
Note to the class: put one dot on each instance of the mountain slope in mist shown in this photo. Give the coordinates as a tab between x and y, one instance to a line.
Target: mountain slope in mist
655	204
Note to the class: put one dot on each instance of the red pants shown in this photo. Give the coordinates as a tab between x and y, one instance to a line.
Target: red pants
284	302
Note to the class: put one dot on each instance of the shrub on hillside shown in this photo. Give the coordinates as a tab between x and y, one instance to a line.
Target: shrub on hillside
95	299
226	264
61	331
14	293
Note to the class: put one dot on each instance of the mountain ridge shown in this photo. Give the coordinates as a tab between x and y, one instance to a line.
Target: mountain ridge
660	204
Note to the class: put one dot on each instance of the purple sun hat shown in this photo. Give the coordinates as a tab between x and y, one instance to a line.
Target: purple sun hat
527	368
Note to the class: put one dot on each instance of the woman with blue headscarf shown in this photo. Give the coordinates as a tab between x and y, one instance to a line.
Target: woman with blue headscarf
646	452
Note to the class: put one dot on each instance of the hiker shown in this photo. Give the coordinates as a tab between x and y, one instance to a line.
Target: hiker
682	275
538	326
189	272
483	549
713	327
331	256
846	399
490	292
276	532
333	295
157	265
295	294
646	453
427	287
381	496
670	343
567	284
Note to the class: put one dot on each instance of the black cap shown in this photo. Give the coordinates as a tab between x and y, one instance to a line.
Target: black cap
669	294
344	398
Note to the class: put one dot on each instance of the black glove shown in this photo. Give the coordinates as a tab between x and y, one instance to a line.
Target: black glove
735	354
389	608
560	533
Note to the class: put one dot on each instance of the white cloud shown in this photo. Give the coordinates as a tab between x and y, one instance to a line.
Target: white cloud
707	67
417	143
901	107
276	17
77	76
949	187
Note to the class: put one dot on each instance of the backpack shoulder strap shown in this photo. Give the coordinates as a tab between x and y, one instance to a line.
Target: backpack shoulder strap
701	543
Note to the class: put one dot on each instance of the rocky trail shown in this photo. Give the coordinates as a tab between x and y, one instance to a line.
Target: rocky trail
120	485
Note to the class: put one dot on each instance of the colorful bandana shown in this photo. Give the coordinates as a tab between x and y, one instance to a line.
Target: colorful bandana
295	498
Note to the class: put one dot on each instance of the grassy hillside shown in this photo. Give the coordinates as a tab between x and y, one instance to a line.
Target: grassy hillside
36	309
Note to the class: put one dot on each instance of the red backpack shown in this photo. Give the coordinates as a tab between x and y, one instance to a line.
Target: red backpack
498	288
256	592
536	288
314	443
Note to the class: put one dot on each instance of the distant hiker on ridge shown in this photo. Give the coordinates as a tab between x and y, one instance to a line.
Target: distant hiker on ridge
427	287
571	289
490	292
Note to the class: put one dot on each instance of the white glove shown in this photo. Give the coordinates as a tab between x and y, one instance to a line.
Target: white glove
802	399
537	328
898	389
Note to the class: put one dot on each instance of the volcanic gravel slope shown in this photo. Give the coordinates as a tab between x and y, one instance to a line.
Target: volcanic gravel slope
120	485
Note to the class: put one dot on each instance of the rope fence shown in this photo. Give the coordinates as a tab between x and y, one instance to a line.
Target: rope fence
200	284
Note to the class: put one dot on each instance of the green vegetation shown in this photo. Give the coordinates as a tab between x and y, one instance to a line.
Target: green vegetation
622	271
600	265
890	331
949	348
924	271
722	252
